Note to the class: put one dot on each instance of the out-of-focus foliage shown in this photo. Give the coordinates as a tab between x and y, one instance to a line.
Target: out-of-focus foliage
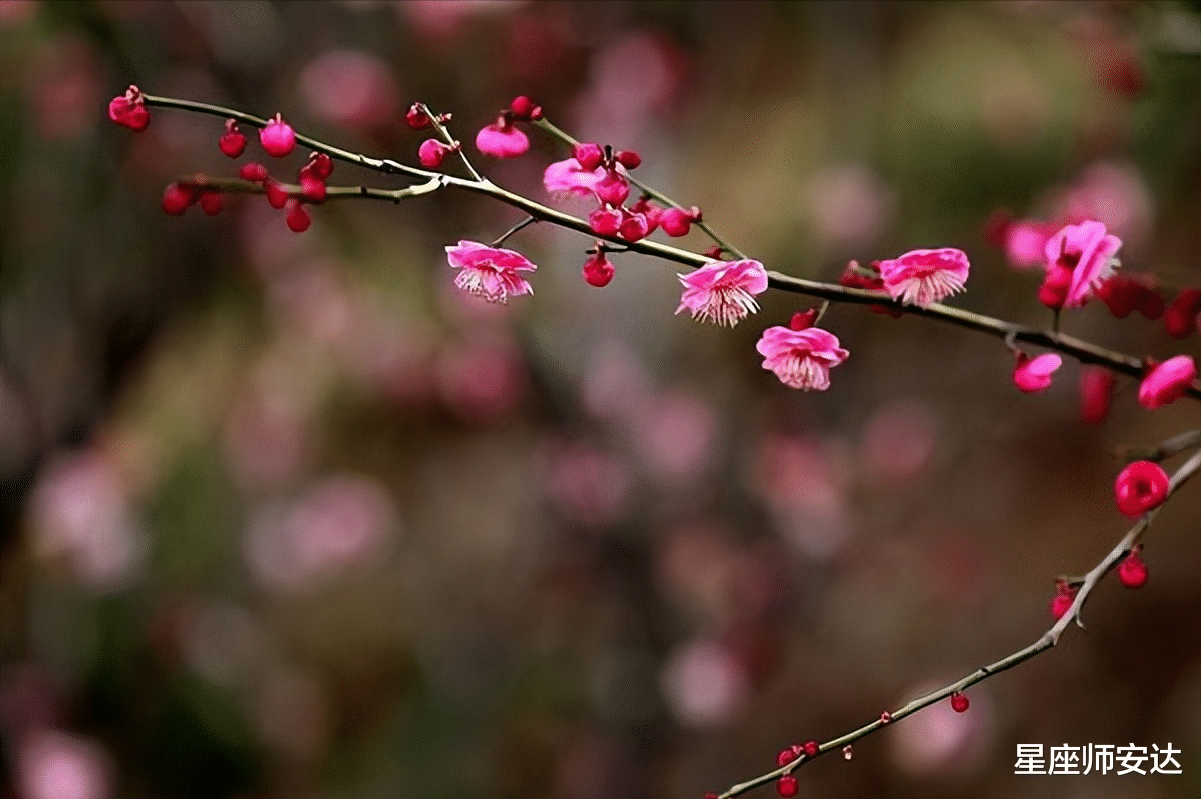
289	516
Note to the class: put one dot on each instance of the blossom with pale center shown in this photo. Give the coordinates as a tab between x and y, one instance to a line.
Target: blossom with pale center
489	272
801	358
923	277
723	291
1087	249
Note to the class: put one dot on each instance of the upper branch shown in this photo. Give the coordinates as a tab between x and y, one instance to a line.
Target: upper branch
1083	351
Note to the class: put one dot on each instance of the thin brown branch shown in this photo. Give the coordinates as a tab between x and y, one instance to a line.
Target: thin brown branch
1083	351
1046	641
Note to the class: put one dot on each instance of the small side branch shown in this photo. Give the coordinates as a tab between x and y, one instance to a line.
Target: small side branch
1047	640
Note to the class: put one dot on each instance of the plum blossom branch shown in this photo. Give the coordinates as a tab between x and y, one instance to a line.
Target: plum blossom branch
1046	641
1081	350
571	141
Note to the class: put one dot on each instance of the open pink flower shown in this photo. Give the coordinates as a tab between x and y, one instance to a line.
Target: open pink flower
1087	249
923	277
502	139
723	292
1031	375
490	272
569	179
1167	382
801	358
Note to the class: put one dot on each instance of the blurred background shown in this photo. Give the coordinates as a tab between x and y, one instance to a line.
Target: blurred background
290	516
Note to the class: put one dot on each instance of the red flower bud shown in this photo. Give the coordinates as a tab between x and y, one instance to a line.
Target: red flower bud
278	138
233	141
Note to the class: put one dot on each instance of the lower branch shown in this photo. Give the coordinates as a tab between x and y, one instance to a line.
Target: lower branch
1046	641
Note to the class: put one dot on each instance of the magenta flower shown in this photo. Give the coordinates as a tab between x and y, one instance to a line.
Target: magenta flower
1088	250
923	277
801	358
723	292
129	109
1032	375
278	138
1142	486
569	179
1167	381
502	139
489	272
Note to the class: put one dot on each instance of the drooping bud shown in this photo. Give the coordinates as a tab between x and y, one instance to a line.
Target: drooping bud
211	202
233	141
432	153
277	195
597	270
1133	572
177	198
416	118
129	110
253	171
278	138
298	217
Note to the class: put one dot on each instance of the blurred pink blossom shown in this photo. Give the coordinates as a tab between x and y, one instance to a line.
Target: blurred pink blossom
57	765
65	88
80	513
265	435
675	433
635	77
849	206
446	19
482	380
335	524
589	486
940	740
1114	193
803	483
351	88
1032	375
898	441
1026	243
704	684
615	383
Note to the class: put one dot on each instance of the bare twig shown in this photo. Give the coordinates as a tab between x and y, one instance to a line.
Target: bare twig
1046	641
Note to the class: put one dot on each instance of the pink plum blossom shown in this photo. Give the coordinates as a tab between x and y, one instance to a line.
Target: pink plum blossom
801	358
1032	375
723	292
502	140
1167	382
1088	250
1025	243
923	277
569	179
490	272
